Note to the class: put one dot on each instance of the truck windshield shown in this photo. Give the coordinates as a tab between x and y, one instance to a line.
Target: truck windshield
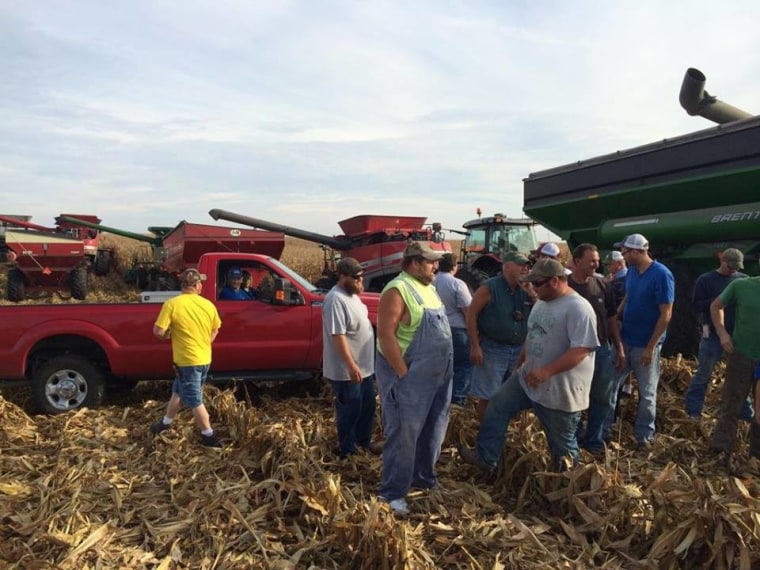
292	275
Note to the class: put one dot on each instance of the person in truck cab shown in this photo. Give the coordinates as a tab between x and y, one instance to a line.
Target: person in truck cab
192	323
246	285
233	290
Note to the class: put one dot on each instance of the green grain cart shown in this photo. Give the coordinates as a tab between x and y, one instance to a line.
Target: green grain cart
692	196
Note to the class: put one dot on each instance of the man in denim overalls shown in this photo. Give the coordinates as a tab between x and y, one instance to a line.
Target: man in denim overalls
414	373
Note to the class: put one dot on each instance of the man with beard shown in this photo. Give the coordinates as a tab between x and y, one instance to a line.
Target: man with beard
348	358
414	371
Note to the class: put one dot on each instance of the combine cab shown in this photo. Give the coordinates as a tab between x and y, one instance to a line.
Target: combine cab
692	197
486	242
377	242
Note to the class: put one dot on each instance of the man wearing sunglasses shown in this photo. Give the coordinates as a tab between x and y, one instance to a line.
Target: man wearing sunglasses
415	371
555	376
348	358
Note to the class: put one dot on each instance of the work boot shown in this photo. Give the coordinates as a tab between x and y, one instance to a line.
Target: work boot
470	455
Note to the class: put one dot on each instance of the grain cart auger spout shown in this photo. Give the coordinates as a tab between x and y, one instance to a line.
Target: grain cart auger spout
697	101
376	241
335	243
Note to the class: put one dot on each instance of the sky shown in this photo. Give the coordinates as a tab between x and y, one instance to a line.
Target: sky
304	113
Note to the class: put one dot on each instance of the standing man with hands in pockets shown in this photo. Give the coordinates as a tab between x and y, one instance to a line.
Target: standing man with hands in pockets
348	356
414	376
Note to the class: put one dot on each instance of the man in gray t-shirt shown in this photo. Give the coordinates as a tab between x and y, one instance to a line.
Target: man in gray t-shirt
348	358
555	376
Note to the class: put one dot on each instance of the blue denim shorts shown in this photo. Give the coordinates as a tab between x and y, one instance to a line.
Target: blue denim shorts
189	384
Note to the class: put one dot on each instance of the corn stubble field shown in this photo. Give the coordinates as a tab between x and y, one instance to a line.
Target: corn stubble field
93	490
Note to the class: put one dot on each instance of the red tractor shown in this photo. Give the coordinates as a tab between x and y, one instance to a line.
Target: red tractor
487	240
376	241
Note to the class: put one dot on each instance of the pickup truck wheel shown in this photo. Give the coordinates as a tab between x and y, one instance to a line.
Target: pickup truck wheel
66	383
16	283
78	283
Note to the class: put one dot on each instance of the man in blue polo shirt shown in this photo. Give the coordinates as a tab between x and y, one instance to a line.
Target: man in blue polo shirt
233	291
645	313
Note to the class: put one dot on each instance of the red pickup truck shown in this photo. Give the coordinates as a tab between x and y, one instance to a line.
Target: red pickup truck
68	354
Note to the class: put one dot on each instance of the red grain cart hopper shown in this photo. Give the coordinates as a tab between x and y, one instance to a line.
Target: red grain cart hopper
184	245
43	259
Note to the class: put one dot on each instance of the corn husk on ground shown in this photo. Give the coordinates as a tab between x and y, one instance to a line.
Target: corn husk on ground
93	490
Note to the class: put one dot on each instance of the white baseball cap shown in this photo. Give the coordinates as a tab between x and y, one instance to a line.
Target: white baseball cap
549	248
634	241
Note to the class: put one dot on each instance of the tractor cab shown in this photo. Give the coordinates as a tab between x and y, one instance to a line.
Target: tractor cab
486	242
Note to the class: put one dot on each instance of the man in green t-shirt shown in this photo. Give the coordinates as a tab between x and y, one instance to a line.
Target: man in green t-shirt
743	350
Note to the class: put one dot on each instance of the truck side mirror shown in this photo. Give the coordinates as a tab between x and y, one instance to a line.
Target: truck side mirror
285	293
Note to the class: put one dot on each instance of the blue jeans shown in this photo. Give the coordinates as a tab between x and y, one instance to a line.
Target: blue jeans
647	378
462	365
510	399
189	384
354	413
602	398
498	363
710	352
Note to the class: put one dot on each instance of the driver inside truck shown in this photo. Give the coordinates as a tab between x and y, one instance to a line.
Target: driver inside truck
233	290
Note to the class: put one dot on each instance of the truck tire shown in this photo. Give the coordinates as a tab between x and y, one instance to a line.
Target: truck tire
78	283
103	262
16	285
67	382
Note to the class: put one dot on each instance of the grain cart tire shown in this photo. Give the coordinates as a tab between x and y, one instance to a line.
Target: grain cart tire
16	285
683	330
78	283
103	262
67	382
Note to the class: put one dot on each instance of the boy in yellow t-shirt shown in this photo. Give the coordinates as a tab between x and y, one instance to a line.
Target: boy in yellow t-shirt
192	323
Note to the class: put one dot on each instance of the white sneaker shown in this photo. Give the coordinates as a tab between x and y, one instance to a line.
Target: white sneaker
399	507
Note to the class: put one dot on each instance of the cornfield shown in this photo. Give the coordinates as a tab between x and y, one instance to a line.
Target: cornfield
93	489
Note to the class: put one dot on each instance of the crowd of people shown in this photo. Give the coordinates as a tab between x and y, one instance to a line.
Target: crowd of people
558	339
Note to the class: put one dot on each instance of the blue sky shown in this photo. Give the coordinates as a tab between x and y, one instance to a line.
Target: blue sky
305	113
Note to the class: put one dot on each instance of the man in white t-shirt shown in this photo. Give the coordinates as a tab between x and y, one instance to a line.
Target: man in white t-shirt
554	379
